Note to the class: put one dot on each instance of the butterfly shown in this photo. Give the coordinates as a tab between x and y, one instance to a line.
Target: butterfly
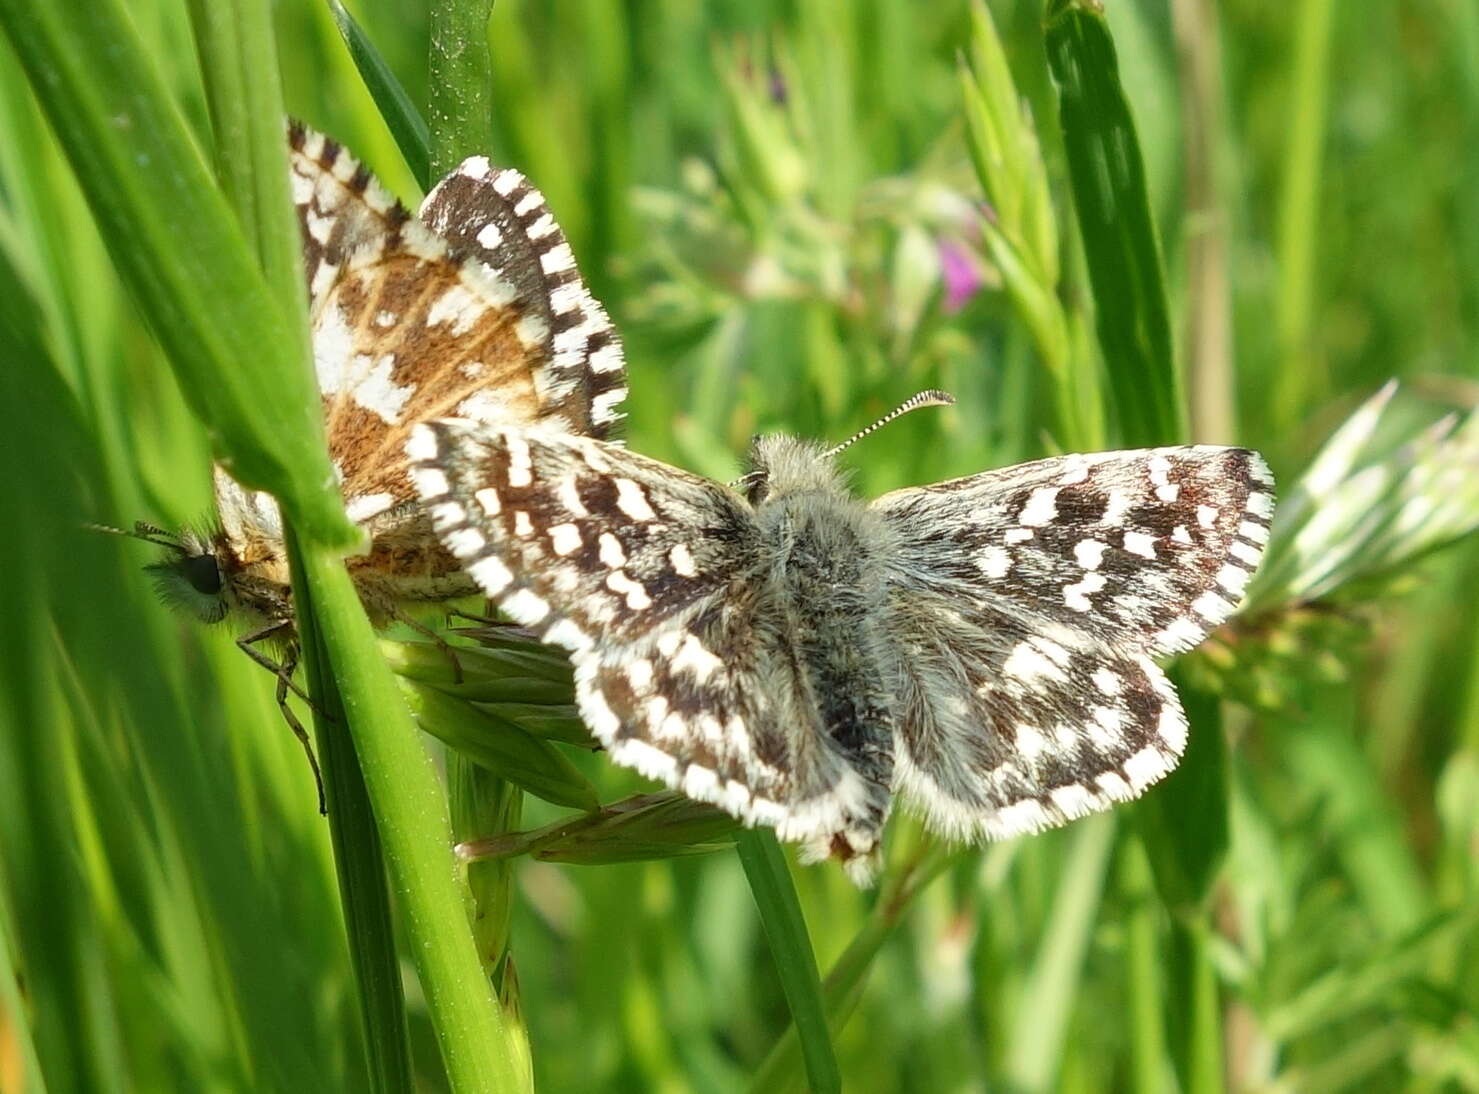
473	308
796	656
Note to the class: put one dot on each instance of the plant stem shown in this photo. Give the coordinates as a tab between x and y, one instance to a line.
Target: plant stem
479	1050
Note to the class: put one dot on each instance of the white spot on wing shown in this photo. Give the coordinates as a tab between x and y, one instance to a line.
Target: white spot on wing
526	606
1089	553
564	539
1041	507
430	482
682	560
1254	531
636	594
1138	543
1029	660
611	553
458	307
995	562
1244	553
491	575
1077	596
365	506
631	499
1233	578
520	470
377	393
465	541
1145	767
695	658
1211	607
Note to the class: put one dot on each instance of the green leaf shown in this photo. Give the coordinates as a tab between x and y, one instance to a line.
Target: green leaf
241	360
501	747
405	122
790	945
1107	175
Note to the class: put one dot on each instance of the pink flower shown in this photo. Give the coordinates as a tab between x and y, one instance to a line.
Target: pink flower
961	272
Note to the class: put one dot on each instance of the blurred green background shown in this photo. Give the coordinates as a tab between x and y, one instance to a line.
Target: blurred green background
779	206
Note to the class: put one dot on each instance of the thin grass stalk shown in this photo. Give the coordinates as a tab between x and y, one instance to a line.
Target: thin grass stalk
359	862
1046	1003
483	804
1300	377
234	39
407	126
1207	331
1148	1056
790	945
479	1050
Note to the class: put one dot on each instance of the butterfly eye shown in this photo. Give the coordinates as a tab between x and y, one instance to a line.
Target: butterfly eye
203	574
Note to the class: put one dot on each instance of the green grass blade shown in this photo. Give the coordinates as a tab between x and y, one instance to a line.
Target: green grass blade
234	39
1050	989
478	1048
359	863
780	913
1184	821
461	82
1300	375
407	126
237	354
1107	175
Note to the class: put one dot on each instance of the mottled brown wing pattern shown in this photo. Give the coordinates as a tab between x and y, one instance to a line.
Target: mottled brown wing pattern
496	216
482	316
341	207
1146	550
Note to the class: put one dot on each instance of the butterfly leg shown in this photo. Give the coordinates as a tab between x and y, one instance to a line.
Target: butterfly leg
491	627
284	672
441	643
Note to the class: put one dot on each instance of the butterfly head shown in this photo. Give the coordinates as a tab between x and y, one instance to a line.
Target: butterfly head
190	579
189	576
781	465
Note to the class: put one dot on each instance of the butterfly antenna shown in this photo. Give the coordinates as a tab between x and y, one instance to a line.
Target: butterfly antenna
149	533
924	398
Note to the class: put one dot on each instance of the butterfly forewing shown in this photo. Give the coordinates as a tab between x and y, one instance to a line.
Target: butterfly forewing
650	577
341	208
1026	604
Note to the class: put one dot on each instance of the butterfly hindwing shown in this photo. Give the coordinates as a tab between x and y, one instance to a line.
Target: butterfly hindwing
498	217
1027	604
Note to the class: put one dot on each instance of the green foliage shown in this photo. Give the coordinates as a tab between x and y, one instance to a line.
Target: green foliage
782	206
